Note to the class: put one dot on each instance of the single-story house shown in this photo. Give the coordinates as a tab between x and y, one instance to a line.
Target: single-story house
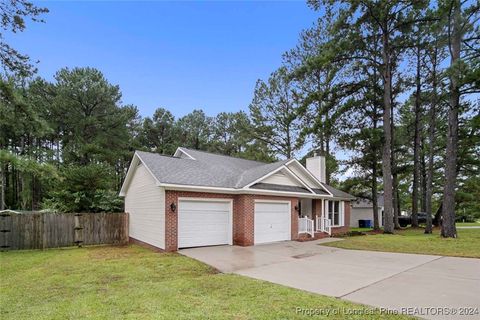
196	198
362	209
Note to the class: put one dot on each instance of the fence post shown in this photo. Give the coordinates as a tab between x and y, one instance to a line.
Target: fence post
44	232
78	236
5	231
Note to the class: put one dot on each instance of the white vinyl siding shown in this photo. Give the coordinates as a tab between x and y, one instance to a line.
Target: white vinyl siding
364	214
145	203
282	179
272	221
309	181
204	222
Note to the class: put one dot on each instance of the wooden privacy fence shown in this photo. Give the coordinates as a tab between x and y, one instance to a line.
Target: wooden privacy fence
40	230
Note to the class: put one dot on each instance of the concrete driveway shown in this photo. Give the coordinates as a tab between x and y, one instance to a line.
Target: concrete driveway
380	279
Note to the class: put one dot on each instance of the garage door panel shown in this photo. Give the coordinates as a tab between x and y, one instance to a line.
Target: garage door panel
203	223
203	216
204	205
270	206
272	221
272	217
203	228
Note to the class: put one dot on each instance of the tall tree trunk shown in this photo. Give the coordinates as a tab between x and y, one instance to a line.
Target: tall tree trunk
431	143
437	221
423	176
327	146
288	151
376	223
319	83
15	203
396	202
396	195
376	220
416	143
386	150
321	133
57	151
327	158
2	187
448	210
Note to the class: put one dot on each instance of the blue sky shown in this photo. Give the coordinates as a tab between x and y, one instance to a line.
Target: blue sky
178	55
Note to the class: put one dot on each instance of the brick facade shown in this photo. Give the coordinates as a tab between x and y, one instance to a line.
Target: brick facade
243	215
243	220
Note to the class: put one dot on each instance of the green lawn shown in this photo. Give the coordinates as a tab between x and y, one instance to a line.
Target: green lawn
458	224
136	283
361	229
468	224
415	241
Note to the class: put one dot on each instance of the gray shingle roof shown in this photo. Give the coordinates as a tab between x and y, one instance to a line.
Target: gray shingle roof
214	170
320	191
208	169
337	193
255	173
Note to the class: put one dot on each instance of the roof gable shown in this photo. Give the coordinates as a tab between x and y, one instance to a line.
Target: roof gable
180	153
303	174
282	178
134	164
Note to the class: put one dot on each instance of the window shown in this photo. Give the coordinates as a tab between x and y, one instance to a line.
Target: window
335	212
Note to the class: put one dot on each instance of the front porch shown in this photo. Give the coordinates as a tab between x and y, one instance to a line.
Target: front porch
320	218
309	229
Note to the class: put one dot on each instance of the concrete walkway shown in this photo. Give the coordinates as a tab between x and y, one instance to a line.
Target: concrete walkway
380	279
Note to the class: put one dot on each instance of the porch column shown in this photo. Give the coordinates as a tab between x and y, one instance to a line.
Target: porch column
323	208
314	214
323	213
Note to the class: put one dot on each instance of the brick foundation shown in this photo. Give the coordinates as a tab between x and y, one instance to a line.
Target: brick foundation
243	215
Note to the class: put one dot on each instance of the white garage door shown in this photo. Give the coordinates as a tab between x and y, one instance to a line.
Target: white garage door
204	223
272	221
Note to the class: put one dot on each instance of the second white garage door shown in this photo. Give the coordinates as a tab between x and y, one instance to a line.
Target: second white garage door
272	221
204	223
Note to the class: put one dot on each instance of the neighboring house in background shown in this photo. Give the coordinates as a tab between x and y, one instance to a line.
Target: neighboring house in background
362	209
197	198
